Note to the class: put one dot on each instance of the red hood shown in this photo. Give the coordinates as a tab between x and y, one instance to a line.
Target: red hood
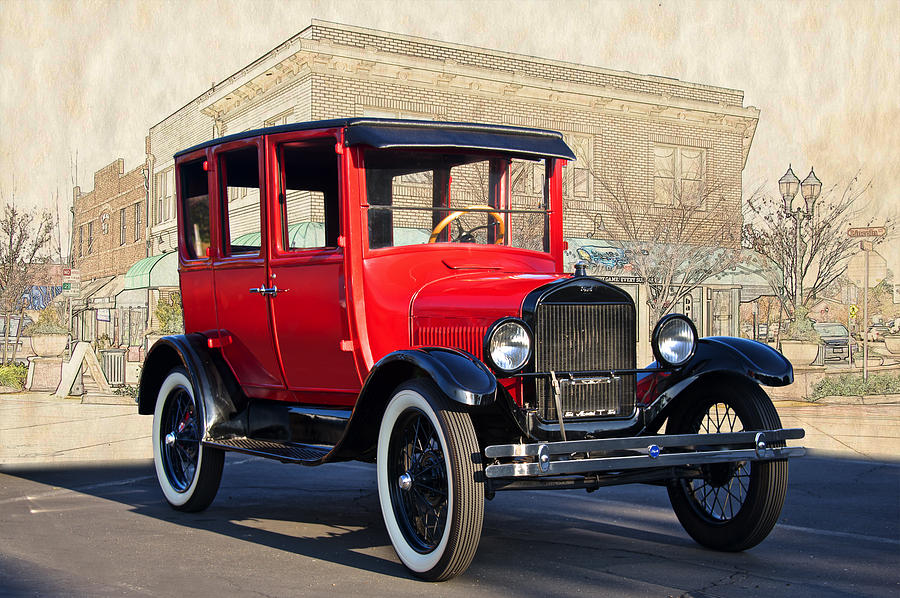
458	310
477	294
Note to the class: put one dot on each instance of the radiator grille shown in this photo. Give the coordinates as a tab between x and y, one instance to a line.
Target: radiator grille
466	337
573	337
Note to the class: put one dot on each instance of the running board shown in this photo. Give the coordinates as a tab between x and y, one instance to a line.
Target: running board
286	452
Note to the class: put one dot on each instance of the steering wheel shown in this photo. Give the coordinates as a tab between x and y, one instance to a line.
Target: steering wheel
467	234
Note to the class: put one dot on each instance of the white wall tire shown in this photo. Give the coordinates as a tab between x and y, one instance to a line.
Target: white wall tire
434	538
188	473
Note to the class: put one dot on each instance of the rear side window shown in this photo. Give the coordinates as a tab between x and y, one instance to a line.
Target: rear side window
195	207
241	201
309	195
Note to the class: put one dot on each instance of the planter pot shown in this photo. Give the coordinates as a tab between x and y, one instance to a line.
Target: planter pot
799	353
892	344
49	345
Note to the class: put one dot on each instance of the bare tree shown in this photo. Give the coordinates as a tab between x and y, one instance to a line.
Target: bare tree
24	234
675	240
806	258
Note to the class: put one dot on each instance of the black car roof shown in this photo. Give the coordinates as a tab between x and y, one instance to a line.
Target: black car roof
397	133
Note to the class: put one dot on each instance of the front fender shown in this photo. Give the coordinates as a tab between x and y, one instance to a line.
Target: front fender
751	359
741	359
459	375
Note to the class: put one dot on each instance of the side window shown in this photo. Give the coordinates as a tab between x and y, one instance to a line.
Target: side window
195	207
240	201
308	197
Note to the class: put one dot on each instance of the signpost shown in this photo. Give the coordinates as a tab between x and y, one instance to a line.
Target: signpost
866	246
71	288
867	231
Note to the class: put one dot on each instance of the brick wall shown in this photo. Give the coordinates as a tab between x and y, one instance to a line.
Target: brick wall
98	213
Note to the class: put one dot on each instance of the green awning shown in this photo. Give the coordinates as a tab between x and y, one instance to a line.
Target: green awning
154	271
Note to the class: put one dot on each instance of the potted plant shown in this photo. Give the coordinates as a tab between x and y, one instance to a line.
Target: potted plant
892	338
801	341
48	336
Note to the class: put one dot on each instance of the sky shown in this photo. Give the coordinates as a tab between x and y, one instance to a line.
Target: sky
83	81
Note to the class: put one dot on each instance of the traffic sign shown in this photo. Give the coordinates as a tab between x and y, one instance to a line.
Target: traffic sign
71	282
867	231
853	311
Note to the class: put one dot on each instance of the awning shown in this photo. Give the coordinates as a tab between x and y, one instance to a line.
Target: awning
153	272
87	291
105	296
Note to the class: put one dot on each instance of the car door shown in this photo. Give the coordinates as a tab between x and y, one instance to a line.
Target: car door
307	266
240	270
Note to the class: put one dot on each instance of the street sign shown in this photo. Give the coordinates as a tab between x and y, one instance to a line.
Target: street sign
867	231
853	311
71	282
856	269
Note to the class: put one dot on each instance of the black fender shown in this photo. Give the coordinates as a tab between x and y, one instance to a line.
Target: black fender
743	360
462	377
210	377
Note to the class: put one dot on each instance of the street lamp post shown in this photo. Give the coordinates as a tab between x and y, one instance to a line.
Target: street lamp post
810	189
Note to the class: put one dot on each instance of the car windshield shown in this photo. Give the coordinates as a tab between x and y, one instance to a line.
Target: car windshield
444	197
829	329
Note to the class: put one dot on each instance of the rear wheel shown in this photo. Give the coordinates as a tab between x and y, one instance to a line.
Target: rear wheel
188	473
731	506
429	468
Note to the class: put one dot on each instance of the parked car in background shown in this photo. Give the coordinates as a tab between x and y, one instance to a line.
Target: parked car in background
836	340
876	332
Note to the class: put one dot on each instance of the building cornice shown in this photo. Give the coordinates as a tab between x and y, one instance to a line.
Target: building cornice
324	57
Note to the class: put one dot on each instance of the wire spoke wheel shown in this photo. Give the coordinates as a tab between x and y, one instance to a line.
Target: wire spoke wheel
188	473
421	506
722	490
429	469
728	506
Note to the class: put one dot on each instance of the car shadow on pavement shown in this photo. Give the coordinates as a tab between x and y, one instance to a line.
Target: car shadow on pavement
332	513
337	524
624	539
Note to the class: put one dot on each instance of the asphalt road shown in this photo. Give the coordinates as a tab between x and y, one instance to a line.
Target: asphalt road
282	530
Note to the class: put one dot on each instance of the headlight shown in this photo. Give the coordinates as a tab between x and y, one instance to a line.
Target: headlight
674	340
507	345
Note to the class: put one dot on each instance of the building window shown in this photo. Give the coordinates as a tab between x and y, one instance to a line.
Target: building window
90	243
678	175
281	119
165	195
81	240
137	221
576	175
122	229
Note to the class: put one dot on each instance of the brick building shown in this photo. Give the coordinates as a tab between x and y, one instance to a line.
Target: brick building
109	226
109	235
646	133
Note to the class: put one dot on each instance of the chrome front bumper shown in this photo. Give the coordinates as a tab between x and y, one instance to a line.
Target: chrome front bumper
641	452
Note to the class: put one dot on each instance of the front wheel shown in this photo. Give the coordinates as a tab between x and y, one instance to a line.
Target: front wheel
188	473
429	481
730	506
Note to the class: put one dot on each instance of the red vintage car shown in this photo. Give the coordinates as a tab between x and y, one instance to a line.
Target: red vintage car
392	291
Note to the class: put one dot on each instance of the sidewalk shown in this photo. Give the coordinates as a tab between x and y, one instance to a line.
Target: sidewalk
40	428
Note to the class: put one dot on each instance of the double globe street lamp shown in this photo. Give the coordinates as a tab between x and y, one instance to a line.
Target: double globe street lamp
799	209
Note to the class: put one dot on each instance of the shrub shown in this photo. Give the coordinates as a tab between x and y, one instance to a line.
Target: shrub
13	376
47	323
169	314
801	328
853	385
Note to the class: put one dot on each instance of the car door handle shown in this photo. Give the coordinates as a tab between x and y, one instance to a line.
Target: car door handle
270	291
